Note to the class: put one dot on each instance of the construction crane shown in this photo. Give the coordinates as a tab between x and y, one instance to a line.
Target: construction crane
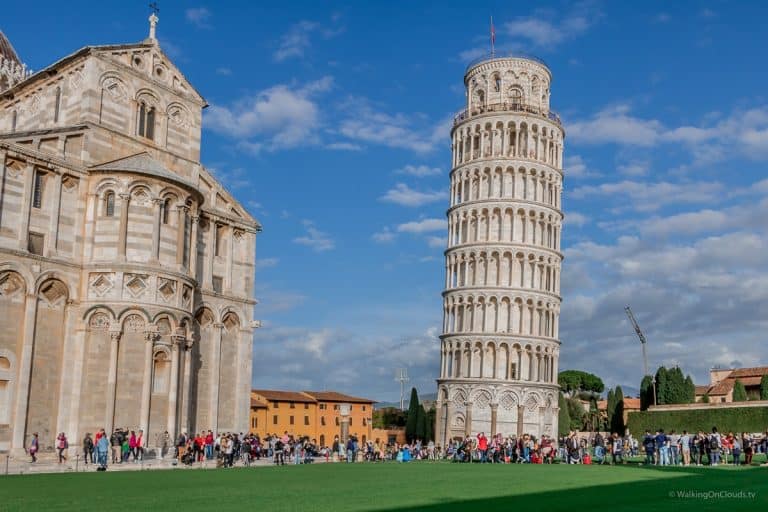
401	375
643	342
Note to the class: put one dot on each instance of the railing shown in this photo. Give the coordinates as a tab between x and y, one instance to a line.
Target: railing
506	55
506	107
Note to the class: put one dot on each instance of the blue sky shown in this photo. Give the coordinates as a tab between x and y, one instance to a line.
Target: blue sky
330	121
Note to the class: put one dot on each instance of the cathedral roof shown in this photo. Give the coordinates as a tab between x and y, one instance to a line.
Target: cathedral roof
6	49
142	163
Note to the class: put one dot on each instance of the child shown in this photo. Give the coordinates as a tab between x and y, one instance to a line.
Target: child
126	450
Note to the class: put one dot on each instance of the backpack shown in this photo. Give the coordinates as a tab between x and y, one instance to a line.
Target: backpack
714	441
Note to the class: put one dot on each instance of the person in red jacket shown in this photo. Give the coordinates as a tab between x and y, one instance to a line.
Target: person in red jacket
482	446
209	445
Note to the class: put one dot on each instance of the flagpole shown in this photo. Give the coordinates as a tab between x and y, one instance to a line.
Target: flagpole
493	39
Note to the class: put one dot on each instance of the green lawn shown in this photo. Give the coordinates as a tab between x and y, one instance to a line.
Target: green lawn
434	487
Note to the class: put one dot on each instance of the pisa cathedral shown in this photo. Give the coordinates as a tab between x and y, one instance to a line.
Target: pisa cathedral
500	347
126	267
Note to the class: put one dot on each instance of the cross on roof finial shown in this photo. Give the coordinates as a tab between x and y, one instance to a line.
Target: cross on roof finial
153	19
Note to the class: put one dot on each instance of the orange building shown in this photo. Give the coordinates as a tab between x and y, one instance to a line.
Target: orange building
316	414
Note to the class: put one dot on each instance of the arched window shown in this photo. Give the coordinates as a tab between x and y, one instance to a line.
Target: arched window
166	209
109	204
146	126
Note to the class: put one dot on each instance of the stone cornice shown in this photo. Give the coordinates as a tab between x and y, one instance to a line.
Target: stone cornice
487	292
502	203
492	162
503	337
498	246
506	115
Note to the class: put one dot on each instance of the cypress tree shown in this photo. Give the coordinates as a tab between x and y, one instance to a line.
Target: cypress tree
690	390
764	387
431	420
413	416
563	418
662	386
739	392
617	420
646	392
421	424
610	406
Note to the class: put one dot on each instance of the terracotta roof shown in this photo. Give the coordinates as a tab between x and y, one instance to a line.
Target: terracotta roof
333	396
721	388
739	373
257	404
284	396
702	390
631	403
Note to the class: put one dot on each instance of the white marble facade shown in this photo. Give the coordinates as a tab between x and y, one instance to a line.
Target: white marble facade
501	304
126	267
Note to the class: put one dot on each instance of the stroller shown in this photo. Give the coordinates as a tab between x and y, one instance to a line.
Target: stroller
188	458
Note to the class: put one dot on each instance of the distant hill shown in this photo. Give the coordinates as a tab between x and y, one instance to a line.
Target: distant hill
428	397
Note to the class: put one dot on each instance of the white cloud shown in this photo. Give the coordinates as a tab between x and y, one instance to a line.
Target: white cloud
366	124
315	239
576	219
545	30
224	71
276	118
298	39
198	16
419	171
403	195
343	146
616	125
262	263
635	168
384	236
652	196
437	242
575	167
423	226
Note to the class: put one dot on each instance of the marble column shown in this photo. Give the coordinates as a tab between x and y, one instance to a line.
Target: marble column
157	213
67	387
109	421
181	229
215	377
520	419
211	251
193	247
125	201
174	392
437	428
77	383
494	408
25	375
186	388
146	386
230	259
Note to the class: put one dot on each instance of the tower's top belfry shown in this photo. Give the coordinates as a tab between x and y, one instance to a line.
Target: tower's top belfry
516	83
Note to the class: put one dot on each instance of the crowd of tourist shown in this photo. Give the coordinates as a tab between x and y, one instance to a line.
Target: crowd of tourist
228	449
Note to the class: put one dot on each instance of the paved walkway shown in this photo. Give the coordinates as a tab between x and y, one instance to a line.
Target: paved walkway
48	463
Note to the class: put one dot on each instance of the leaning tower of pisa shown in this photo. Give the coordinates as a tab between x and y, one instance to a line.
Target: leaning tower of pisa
500	347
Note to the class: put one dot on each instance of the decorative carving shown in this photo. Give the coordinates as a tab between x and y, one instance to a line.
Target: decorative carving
101	283
136	284
76	80
99	322
166	289
134	323
115	335
116	89
54	293
186	297
11	285
69	183
508	401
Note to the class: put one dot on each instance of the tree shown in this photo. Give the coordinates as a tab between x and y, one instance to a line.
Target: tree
421	424
672	387
610	407
617	419
576	413
431	420
413	416
690	390
739	392
764	387
646	393
575	381
705	399
563	417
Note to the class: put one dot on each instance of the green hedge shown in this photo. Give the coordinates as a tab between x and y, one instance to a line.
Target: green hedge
735	419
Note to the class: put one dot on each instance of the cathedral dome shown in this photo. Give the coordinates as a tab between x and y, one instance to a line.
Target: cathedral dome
6	49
